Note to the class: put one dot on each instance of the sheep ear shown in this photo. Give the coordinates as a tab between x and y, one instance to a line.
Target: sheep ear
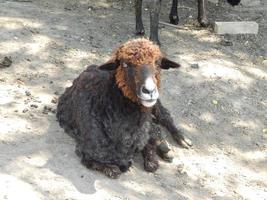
110	65
167	64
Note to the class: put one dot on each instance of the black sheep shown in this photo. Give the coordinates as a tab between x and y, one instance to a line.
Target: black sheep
109	109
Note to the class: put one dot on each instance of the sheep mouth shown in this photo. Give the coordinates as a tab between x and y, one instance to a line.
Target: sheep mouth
147	102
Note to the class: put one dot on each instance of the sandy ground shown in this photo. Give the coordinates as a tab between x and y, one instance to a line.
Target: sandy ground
221	105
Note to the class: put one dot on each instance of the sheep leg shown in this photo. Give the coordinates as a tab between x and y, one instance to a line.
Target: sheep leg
163	117
154	20
163	148
112	171
174	19
202	17
151	163
139	27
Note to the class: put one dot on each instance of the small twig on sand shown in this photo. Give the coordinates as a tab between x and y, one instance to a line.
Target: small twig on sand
174	26
185	7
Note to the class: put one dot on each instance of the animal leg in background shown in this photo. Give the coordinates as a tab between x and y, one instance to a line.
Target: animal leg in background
202	16
154	20
139	27
155	6
163	117
174	18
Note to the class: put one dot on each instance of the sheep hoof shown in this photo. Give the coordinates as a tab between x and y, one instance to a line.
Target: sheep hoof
204	22
174	19
186	143
163	151
140	31
155	40
182	141
112	171
151	165
165	156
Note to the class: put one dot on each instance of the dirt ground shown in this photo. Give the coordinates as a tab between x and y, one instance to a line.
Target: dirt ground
221	103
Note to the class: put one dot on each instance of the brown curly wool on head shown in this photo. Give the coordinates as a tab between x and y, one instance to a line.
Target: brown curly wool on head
136	52
139	51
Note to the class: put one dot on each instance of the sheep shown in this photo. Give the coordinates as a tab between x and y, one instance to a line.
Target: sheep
111	109
173	16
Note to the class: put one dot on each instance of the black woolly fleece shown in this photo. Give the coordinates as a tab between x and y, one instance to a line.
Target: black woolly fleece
108	127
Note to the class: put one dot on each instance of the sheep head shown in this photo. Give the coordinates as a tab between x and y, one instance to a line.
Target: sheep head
137	64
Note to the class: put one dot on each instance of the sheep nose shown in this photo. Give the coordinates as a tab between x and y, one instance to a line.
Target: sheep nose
146	90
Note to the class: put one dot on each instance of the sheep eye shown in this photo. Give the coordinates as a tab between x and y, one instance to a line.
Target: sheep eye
157	63
124	65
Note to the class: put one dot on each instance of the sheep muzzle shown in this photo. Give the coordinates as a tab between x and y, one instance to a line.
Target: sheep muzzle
147	85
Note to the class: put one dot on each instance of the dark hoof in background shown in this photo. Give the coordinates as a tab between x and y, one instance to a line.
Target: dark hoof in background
139	31
203	23
174	19
233	2
155	40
